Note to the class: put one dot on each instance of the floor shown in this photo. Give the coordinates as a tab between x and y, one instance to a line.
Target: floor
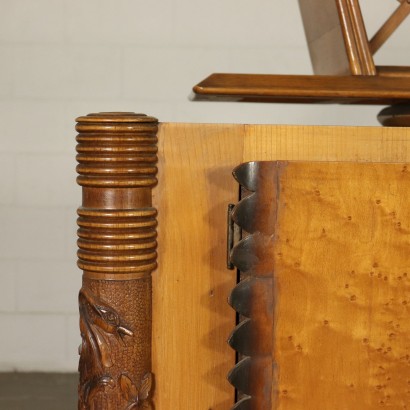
38	391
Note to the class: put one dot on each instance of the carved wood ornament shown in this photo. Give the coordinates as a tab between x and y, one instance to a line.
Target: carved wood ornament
117	253
324	291
253	297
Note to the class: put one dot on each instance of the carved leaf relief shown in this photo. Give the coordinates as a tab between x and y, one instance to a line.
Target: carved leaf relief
136	396
99	322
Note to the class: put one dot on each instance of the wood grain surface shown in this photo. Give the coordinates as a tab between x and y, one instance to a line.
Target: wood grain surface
333	240
336	37
376	89
341	268
191	317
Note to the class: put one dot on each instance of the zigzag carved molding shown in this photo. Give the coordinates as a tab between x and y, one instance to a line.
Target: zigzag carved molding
253	297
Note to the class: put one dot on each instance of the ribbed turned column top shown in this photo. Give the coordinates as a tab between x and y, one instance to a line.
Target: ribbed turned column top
117	150
116	122
116	117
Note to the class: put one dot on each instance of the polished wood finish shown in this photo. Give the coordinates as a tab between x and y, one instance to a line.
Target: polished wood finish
191	316
336	37
380	90
117	252
327	280
342	60
402	72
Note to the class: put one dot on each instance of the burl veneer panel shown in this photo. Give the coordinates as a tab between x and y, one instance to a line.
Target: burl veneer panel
330	244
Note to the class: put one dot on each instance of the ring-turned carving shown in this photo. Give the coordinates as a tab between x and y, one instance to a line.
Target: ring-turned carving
117	157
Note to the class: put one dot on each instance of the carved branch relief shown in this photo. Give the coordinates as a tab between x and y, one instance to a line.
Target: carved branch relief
101	326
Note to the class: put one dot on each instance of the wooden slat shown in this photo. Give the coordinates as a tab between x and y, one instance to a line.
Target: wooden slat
390	26
394	71
382	90
356	41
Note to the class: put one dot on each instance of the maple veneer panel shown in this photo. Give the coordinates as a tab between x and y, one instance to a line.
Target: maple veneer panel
191	318
342	287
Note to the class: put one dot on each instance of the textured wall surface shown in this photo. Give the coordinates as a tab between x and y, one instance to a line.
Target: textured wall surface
64	58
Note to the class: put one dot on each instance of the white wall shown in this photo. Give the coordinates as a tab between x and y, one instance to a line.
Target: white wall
65	58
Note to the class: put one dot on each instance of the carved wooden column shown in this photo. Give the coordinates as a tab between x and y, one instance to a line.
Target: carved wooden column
117	253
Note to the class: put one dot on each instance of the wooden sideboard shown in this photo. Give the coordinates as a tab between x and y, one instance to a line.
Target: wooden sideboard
183	363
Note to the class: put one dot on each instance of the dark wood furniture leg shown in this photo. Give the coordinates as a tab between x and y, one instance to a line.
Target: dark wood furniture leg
117	155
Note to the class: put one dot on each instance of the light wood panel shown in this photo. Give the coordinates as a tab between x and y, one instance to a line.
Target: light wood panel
314	143
342	329
191	319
